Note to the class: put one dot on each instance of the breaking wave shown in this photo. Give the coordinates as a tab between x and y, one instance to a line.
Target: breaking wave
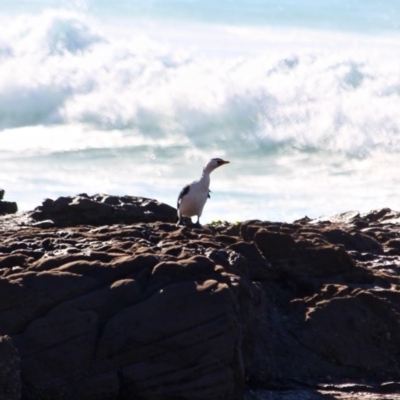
313	92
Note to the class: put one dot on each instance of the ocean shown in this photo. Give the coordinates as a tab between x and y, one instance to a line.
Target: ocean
133	97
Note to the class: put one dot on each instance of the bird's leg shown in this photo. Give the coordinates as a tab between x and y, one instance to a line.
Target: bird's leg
179	221
197	224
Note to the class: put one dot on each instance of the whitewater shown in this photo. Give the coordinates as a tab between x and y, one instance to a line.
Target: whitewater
136	100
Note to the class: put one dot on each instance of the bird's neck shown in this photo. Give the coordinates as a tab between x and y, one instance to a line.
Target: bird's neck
205	178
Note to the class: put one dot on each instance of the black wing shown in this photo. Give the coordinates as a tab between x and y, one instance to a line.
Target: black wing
183	193
209	191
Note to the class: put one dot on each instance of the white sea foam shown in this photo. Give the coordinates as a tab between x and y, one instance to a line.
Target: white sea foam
293	88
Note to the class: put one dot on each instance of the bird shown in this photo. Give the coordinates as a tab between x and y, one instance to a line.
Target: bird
193	197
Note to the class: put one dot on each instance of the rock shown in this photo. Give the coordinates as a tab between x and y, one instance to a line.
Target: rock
7	207
393	244
123	309
10	379
101	209
354	241
47	223
357	327
203	334
299	257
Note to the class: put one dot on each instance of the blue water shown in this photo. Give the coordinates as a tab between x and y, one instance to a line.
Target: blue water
133	97
353	15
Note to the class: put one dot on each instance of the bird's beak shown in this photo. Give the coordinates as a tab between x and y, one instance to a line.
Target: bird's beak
222	162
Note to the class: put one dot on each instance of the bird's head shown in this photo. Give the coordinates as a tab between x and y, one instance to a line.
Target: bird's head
214	163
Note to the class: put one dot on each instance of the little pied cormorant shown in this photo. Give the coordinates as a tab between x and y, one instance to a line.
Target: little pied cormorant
193	197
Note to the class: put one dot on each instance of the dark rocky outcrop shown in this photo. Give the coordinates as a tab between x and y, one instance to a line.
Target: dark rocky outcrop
7	207
148	310
101	209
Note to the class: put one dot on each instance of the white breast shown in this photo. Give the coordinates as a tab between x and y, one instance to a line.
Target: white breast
193	202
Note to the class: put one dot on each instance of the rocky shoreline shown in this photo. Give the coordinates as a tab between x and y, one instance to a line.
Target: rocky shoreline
104	297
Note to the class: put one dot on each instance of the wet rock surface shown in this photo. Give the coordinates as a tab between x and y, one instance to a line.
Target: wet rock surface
149	310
